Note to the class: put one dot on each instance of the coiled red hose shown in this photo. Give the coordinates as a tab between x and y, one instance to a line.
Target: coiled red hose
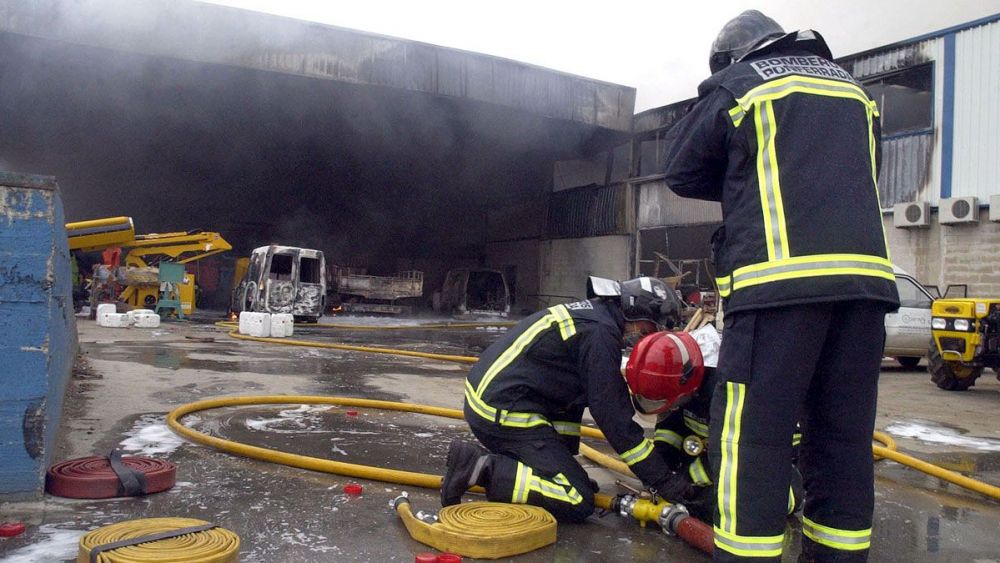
93	477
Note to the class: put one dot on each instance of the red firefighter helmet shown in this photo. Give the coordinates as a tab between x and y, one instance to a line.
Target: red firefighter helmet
664	371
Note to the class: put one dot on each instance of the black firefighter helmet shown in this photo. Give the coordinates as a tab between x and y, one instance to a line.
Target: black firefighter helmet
642	299
740	36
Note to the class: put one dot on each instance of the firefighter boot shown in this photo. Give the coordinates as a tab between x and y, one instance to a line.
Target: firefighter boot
468	465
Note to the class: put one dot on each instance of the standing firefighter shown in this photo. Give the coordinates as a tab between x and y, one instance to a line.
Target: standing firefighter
525	398
789	143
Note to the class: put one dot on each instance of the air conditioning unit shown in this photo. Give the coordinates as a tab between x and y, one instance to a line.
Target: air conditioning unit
995	208
958	210
913	214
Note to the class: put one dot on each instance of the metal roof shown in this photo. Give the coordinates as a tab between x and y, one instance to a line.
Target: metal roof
210	33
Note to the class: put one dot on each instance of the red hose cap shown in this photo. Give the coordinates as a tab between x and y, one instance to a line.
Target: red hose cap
352	413
426	558
449	558
11	529
353	489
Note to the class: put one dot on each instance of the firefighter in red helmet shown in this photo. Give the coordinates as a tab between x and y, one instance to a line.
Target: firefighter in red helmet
667	376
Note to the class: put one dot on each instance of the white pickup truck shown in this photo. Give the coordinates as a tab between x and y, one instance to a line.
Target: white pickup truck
908	330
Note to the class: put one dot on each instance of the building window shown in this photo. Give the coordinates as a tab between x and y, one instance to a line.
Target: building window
905	99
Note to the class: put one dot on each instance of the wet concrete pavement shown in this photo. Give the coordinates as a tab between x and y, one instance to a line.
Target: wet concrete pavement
134	377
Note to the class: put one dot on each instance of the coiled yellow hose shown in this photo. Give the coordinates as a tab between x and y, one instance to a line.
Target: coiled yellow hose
483	530
215	545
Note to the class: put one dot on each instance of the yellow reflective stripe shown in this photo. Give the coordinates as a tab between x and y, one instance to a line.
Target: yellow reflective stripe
638	453
796	438
749	546
781	241
763	180
872	113
724	284
505	417
737	114
846	540
698	474
768	184
521	478
791	499
696	427
726	491
477	404
567	428
556	490
515	350
783	87
812	266
669	437
566	327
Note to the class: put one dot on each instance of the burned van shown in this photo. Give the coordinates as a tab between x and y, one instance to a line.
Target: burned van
283	279
476	292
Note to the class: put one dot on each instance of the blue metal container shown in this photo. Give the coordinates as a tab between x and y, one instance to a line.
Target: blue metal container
37	329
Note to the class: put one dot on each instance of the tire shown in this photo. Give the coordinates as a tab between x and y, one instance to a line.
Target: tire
908	362
950	376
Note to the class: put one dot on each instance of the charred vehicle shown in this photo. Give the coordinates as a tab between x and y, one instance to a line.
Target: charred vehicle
283	279
353	290
475	292
965	340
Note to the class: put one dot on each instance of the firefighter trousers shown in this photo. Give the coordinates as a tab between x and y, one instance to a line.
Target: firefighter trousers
535	466
818	363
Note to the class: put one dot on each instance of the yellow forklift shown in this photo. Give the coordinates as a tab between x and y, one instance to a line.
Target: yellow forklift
145	253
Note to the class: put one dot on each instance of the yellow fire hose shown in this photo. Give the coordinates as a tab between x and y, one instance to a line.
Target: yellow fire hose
888	450
235	325
156	542
482	530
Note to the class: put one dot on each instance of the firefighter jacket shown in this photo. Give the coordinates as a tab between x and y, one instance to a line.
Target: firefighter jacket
788	142
552	366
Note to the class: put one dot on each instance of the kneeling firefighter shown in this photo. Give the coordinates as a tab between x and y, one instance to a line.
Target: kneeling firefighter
670	378
525	398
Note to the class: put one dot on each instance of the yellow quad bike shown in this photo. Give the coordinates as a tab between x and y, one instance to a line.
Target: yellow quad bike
965	338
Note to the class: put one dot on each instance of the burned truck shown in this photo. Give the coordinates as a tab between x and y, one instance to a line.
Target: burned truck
283	279
353	290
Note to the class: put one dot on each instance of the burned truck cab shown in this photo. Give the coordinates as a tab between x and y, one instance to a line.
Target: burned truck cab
283	279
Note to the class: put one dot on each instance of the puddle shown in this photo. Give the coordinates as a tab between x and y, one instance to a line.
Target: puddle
938	434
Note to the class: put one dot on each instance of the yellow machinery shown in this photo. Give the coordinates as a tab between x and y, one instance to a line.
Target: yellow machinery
99	234
144	253
965	339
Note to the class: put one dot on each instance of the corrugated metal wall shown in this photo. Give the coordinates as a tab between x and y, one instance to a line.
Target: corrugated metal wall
658	206
911	164
976	141
906	169
588	212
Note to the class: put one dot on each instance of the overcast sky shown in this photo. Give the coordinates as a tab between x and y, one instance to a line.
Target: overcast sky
658	47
